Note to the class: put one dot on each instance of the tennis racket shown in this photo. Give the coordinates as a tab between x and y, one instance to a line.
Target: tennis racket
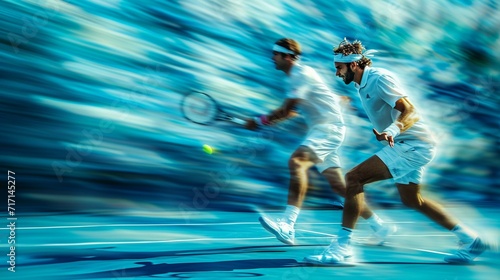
201	108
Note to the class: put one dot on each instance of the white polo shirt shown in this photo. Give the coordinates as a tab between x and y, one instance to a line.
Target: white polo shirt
379	90
318	105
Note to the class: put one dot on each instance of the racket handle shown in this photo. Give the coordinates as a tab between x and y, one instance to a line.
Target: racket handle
239	121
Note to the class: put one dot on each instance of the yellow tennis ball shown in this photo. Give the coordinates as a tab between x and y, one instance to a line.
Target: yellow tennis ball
207	149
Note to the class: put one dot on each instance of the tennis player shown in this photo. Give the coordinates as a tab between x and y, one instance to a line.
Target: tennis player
308	95
410	147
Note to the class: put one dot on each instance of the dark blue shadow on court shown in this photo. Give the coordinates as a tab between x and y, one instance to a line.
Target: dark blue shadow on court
150	269
106	254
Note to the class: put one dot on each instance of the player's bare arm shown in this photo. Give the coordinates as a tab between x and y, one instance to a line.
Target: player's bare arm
406	120
408	115
285	111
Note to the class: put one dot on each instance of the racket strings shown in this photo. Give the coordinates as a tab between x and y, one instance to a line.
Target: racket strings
199	108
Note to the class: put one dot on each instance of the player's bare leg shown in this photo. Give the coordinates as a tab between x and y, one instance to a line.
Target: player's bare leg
471	245
283	228
381	230
337	183
299	163
412	198
369	171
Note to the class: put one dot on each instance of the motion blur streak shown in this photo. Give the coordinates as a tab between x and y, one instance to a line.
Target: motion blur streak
90	97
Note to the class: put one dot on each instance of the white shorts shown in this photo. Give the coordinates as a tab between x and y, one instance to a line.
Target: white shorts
407	159
325	141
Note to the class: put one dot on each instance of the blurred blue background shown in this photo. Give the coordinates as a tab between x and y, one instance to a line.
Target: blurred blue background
91	90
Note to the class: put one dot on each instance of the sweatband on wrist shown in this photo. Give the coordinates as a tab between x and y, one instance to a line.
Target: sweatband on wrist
393	130
262	120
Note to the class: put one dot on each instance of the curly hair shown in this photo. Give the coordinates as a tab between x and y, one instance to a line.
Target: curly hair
290	44
346	48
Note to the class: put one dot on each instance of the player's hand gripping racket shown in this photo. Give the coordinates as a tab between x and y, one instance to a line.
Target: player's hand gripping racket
201	108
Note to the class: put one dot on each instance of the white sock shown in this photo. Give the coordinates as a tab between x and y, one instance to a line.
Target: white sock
344	236
375	222
291	213
464	233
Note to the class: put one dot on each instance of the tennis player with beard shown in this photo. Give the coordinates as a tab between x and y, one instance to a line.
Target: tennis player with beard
409	148
309	96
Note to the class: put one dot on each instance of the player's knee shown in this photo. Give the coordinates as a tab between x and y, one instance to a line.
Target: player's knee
352	178
297	163
353	190
293	163
354	185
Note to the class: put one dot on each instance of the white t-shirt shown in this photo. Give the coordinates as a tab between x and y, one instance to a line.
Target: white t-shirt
318	105
379	90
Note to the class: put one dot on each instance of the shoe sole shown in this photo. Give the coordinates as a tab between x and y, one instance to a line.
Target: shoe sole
348	261
274	232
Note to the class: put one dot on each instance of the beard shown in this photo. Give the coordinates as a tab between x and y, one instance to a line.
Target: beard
349	76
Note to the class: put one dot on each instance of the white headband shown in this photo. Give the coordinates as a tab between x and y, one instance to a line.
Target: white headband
281	49
338	57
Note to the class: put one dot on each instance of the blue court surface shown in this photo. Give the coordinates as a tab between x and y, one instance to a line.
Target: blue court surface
95	143
233	245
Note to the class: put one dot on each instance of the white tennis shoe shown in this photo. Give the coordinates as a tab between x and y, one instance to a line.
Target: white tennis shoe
383	233
467	252
333	255
283	231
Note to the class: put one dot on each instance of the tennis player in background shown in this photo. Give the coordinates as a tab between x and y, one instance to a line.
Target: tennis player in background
410	147
308	95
